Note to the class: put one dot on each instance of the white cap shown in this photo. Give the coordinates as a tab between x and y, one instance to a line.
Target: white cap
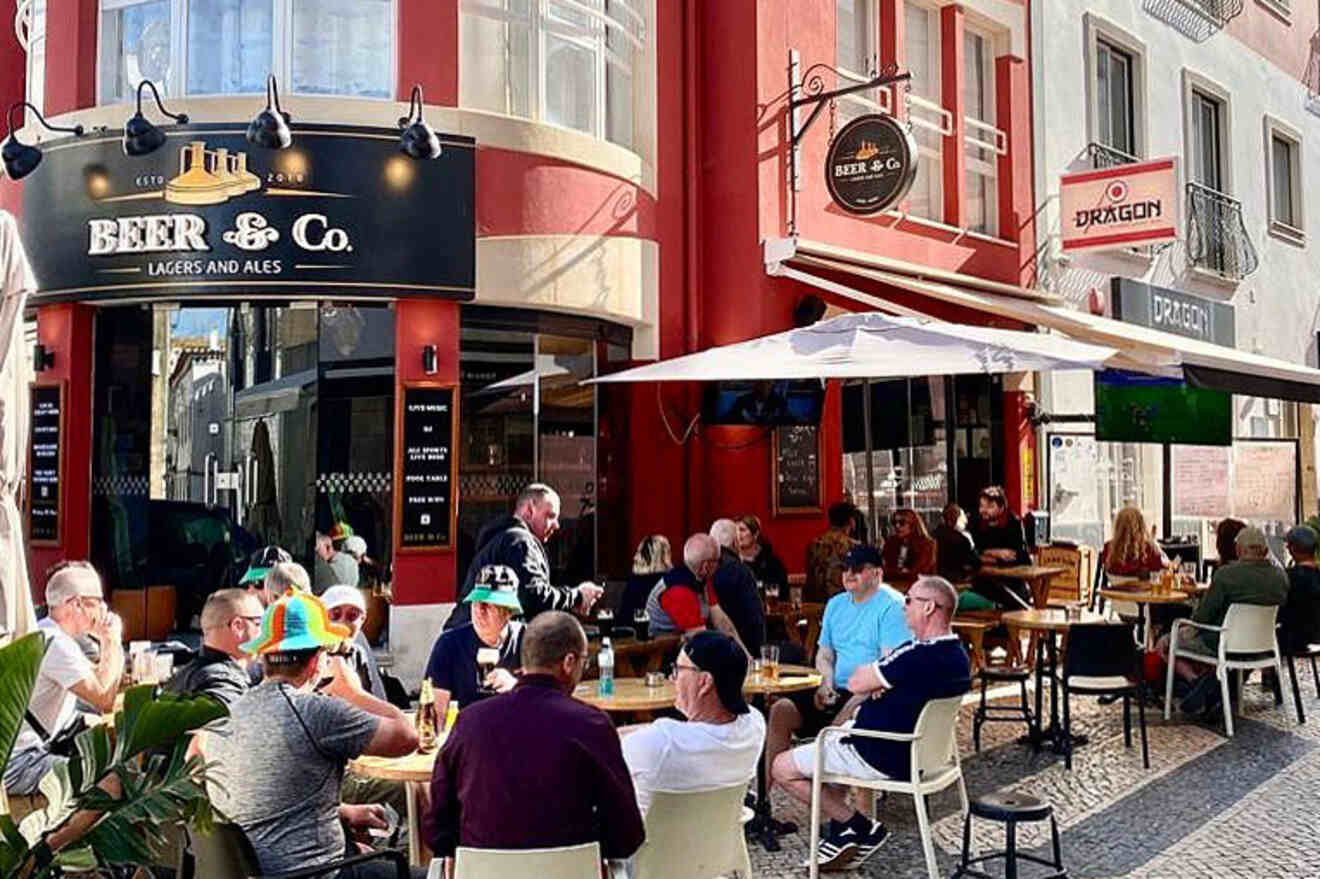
355	545
338	596
77	580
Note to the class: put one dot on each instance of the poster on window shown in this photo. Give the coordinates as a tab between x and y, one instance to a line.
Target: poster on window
1265	481
1200	481
1074	474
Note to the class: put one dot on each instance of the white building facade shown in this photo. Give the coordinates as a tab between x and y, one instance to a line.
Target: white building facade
1220	88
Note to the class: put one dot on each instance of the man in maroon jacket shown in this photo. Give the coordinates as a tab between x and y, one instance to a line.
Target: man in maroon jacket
534	767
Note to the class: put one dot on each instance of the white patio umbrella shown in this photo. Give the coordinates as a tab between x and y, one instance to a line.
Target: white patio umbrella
16	281
875	345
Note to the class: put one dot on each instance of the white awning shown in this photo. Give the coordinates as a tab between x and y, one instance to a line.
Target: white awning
1140	348
874	345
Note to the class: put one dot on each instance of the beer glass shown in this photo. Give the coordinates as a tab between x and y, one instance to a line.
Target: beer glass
642	623
770	662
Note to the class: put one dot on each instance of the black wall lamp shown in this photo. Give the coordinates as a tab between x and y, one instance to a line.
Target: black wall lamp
20	158
42	359
418	139
270	128
141	136
428	360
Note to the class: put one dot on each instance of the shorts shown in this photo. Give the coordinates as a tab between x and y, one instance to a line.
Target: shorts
26	768
841	758
814	719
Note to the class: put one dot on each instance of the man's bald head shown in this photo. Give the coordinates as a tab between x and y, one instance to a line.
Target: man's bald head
699	549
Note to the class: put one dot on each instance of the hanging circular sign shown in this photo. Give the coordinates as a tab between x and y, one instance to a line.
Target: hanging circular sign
871	164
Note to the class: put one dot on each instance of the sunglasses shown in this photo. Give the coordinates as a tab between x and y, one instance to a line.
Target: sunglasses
908	599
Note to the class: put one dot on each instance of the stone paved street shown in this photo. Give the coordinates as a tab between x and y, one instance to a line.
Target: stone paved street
1205	808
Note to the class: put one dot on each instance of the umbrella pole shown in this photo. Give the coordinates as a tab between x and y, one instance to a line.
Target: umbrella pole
870	467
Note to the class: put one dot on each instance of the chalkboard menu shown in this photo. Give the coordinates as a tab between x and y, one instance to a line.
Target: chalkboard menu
424	468
796	474
45	464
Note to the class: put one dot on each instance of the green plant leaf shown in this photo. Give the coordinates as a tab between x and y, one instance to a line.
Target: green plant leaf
19	664
149	722
93	757
12	845
129	829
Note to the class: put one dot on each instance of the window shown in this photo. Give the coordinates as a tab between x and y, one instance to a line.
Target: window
1206	141
1114	116
930	121
36	55
982	164
572	63
1283	173
218	47
856	58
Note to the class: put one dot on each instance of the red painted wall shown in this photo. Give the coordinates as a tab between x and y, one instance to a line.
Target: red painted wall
424	577
66	330
13	88
428	50
70	55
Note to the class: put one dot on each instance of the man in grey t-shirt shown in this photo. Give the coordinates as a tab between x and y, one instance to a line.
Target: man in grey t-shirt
280	756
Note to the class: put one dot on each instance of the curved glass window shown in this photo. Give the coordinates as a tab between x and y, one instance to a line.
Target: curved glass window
222	47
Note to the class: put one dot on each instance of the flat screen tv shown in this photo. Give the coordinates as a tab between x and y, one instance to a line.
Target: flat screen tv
1134	408
764	403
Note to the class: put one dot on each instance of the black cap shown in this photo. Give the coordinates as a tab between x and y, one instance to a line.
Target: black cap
720	655
269	557
863	554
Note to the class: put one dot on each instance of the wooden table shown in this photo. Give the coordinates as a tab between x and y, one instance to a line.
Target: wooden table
810	612
1143	597
632	694
634	657
414	770
1037	577
1047	622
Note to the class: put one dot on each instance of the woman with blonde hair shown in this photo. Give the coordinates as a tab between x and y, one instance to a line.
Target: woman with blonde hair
1131	552
652	559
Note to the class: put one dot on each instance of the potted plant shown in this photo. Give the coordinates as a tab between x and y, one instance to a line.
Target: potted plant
143	758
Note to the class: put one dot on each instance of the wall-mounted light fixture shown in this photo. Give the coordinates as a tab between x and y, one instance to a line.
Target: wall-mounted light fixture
429	360
42	359
418	139
20	158
141	136
270	128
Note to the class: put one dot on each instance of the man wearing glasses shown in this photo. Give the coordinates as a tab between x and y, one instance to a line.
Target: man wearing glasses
860	625
229	618
933	665
73	597
1000	540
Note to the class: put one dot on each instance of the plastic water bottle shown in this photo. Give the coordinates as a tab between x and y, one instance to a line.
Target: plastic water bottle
606	659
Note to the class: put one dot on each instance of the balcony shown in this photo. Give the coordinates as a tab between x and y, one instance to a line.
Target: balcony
1217	239
1108	157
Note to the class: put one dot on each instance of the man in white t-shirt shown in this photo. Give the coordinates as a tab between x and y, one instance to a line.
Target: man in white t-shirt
73	596
720	742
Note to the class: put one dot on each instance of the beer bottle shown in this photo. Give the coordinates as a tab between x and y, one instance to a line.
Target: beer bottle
426	719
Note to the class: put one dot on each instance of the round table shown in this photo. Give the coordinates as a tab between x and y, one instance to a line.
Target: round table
763	827
1143	597
414	770
1048	621
630	694
1037	577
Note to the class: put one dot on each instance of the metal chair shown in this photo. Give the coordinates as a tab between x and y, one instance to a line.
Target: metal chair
1246	640
987	713
226	853
1102	660
698	834
935	766
1310	652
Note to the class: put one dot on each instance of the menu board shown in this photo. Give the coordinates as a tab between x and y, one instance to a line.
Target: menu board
1265	481
46	464
1201	481
424	468
796	486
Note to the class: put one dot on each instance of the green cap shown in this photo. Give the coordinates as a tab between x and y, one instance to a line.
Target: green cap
498	585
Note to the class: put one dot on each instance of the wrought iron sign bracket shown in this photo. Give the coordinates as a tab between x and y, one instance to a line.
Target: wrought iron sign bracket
812	93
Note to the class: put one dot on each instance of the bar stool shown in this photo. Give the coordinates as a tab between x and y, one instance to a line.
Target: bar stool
987	713
1009	808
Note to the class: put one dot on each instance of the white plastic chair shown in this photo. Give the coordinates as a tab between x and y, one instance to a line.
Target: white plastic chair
567	862
1246	640
935	766
697	834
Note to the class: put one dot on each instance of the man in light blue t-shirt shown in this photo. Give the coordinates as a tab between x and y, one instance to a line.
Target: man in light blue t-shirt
861	625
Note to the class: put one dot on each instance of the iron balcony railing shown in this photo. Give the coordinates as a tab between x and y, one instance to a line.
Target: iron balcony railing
1108	157
1217	238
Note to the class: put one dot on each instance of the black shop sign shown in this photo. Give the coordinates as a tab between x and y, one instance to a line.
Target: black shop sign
339	213
425	468
871	164
45	464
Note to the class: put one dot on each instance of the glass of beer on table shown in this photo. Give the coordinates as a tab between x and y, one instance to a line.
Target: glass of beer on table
770	662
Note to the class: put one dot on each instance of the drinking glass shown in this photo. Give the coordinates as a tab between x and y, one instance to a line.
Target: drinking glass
605	621
487	659
642	623
770	662
162	666
772	594
795	596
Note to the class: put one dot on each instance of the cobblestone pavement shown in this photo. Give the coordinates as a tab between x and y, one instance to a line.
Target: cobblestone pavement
1207	807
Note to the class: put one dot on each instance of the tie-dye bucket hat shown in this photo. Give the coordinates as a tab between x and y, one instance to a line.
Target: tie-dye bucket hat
298	621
